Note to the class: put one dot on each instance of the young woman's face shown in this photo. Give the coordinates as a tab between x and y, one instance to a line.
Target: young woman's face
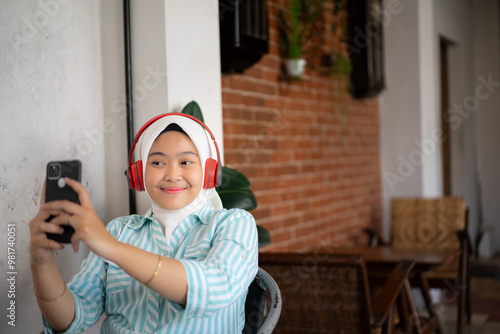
173	172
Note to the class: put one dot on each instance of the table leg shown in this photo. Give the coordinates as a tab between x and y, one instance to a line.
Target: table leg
407	310
434	322
387	327
414	318
403	312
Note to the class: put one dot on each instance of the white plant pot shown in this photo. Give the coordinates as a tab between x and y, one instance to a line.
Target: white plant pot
295	67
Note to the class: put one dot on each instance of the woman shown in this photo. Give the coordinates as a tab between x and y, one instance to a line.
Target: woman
183	267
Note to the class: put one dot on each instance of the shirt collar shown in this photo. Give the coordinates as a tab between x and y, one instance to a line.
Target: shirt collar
204	215
135	224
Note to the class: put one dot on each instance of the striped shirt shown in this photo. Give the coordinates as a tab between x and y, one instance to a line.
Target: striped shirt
218	249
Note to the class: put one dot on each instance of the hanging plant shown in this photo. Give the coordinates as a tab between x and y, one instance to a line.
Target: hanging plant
296	29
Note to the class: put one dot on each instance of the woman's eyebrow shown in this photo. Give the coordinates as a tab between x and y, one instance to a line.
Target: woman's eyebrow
186	152
177	155
156	153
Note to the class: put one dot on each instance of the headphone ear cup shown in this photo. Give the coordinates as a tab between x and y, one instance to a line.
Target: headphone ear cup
219	175
211	176
135	176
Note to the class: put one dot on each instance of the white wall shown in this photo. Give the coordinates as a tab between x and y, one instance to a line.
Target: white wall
114	108
410	106
430	123
62	95
400	106
50	108
473	57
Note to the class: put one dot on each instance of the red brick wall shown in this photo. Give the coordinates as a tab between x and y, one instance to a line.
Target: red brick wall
311	152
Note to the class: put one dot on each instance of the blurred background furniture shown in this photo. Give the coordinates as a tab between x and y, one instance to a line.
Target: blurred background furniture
380	261
328	293
263	292
435	224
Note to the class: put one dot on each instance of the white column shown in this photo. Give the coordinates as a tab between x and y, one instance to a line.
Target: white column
430	97
176	59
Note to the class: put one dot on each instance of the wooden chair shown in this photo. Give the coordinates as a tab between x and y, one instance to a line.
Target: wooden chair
441	224
325	293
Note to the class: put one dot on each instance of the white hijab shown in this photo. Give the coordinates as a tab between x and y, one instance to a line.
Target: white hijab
170	219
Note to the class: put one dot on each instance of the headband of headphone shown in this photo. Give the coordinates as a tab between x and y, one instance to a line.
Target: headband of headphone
213	169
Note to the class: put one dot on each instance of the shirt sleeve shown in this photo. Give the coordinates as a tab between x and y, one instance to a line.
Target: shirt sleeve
230	265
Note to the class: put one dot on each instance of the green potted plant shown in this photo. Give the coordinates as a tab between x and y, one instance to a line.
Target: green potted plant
296	30
234	190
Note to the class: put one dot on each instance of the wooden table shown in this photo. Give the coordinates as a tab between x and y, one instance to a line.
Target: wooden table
381	260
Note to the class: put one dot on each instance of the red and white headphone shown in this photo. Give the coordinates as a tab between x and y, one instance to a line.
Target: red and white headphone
213	169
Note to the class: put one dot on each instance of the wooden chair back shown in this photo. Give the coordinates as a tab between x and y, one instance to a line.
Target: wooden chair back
321	293
429	223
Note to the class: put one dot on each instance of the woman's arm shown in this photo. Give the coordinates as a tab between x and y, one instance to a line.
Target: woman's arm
54	299
55	302
164	275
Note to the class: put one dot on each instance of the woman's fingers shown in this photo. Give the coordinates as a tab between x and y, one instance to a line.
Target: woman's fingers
41	241
56	208
83	195
51	228
82	217
62	219
75	242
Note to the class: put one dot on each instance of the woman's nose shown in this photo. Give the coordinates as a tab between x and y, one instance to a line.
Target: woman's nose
172	172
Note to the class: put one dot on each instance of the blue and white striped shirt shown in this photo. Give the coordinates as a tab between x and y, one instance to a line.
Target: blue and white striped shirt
219	251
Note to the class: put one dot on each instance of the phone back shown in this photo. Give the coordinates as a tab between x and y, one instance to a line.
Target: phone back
56	189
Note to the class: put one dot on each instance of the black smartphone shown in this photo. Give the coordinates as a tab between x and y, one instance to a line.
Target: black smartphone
56	189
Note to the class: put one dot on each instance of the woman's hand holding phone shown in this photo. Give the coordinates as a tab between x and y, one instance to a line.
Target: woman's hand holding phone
82	217
42	248
66	215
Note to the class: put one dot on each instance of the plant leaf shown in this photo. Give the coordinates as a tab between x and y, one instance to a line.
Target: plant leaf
193	109
264	236
238	198
233	179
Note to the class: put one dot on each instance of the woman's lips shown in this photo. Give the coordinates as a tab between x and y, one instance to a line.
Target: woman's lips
173	191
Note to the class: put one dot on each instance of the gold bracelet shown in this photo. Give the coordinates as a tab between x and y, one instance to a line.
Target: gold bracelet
50	300
156	271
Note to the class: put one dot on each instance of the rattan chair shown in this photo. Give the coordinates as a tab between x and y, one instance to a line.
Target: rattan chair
258	318
440	224
325	293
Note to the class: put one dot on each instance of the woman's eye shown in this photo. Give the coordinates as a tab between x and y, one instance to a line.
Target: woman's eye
157	163
186	162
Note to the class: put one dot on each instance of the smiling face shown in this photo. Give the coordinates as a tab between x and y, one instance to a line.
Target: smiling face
174	174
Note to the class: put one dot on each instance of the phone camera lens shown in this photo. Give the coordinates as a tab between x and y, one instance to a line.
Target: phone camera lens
54	171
